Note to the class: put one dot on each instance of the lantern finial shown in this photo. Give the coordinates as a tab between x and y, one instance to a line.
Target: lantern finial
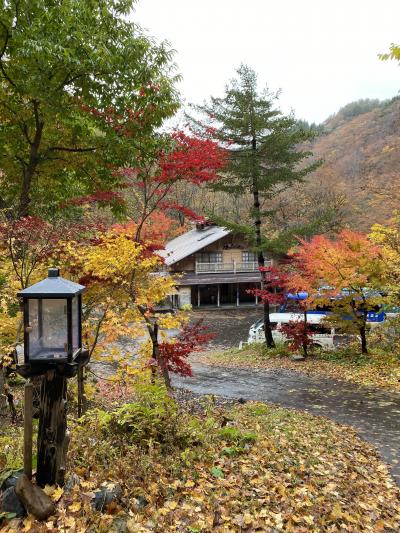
54	272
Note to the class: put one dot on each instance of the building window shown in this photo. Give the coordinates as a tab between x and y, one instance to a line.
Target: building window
249	257
209	257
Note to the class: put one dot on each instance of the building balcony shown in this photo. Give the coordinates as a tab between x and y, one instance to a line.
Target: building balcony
247	266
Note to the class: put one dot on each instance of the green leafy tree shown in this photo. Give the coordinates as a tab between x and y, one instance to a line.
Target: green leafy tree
393	54
264	154
73	75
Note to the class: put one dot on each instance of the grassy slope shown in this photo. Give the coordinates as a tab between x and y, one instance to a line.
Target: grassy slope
377	369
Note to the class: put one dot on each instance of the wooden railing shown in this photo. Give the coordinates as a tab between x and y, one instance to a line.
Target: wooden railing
246	266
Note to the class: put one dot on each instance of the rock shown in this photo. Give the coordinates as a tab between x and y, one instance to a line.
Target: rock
35	500
298	358
11	480
108	492
71	482
10	503
141	502
119	524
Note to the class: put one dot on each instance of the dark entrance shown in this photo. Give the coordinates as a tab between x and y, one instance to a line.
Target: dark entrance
227	294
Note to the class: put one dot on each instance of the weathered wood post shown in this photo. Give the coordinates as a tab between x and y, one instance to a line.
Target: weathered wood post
81	392
28	415
3	397
51	460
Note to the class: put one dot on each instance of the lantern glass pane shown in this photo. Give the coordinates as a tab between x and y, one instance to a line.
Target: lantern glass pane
51	340
34	346
75	324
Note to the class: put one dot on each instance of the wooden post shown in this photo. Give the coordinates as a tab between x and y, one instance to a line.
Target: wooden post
3	397
198	295
28	413
52	438
81	392
237	295
218	296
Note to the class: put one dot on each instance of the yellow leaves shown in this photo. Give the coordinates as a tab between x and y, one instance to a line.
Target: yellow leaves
54	492
75	507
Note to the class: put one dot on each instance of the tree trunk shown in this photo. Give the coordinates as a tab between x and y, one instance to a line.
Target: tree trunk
153	331
305	336
269	340
363	335
52	435
29	168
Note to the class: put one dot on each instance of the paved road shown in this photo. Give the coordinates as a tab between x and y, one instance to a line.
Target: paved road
230	325
374	414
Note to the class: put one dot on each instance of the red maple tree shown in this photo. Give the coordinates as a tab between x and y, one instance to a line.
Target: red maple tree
175	353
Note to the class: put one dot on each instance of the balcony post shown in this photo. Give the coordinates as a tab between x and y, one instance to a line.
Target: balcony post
234	266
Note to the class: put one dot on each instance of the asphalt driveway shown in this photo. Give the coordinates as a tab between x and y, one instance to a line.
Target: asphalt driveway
375	414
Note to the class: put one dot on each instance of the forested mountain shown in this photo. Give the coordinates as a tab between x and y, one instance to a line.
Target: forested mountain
360	147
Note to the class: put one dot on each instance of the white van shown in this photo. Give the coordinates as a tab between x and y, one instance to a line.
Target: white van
323	335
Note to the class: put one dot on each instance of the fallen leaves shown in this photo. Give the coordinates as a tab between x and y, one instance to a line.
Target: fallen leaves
301	473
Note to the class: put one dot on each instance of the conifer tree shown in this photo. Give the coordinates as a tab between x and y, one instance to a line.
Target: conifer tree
264	155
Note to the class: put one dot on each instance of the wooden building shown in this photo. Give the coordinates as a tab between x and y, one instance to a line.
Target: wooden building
216	267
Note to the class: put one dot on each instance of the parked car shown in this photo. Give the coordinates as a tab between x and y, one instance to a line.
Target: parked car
323	336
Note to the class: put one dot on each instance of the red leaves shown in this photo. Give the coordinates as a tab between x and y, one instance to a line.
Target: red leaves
274	282
194	160
190	339
101	197
298	333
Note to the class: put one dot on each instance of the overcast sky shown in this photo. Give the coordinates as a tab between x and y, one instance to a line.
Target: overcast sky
321	53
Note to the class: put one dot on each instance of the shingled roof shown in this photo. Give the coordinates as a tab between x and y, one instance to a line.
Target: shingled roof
190	242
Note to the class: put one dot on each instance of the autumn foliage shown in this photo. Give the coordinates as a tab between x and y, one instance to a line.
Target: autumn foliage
176	351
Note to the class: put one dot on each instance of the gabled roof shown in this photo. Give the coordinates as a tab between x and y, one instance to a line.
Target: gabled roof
52	287
191	242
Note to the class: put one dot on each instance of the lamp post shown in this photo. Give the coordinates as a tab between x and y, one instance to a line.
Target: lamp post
53	349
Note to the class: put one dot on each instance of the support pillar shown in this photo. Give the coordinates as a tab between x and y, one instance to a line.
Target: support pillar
52	435
28	415
237	295
218	296
198	295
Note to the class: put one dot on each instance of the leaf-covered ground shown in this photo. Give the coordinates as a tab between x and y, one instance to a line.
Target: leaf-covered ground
223	468
376	369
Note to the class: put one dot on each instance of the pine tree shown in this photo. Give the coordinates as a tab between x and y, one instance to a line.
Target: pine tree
264	155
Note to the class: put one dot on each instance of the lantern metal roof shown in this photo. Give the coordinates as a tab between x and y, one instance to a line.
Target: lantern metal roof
53	286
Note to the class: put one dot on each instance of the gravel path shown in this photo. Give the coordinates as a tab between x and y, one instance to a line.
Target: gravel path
373	413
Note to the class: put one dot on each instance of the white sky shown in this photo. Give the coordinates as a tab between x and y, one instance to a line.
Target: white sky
321	53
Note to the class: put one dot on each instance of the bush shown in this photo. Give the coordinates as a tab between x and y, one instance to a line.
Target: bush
235	436
152	419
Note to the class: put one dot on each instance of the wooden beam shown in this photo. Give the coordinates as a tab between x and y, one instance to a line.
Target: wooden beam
28	408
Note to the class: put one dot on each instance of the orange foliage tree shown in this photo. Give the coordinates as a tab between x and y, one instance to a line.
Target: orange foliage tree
346	273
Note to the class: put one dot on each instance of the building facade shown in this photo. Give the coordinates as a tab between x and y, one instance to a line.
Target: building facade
215	268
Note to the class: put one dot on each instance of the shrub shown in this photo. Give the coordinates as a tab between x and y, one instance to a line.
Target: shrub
152	419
